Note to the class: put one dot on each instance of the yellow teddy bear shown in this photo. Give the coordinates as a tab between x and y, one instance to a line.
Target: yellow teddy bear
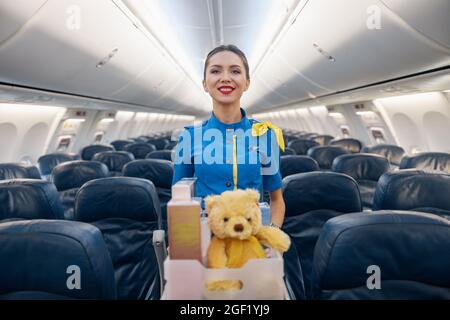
234	218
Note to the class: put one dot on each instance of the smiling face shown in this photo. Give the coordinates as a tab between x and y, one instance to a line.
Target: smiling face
225	78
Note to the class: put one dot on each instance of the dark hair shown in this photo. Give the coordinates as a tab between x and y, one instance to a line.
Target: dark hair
233	49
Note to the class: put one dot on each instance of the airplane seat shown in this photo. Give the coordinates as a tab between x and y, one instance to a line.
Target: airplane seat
160	173
160	154
160	144
89	151
29	199
54	260
352	145
171	145
366	169
114	160
311	199
414	190
47	162
288	152
301	146
297	164
140	149
390	151
308	136
126	210
119	145
18	171
323	139
324	155
428	161
383	255
68	177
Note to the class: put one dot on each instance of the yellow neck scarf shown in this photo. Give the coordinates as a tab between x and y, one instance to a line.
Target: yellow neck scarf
258	129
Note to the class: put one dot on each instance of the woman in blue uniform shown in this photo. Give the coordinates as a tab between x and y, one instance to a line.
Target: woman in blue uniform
230	151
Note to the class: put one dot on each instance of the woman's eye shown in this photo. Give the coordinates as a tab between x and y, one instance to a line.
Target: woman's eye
225	219
236	71
214	71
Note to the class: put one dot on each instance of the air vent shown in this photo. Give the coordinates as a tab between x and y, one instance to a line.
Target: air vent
107	58
324	53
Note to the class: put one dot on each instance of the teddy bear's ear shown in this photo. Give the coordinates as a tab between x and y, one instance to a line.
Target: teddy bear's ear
253	194
210	202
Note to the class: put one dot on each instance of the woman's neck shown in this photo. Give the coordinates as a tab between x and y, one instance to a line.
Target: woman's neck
228	113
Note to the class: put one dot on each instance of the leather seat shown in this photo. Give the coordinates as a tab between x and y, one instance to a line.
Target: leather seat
160	144
160	173
414	190
29	199
68	177
54	259
322	139
324	155
287	152
119	145
18	171
352	145
126	211
311	199
89	151
366	169
47	162
160	154
114	160
409	251
297	164
429	161
392	152
140	149
301	146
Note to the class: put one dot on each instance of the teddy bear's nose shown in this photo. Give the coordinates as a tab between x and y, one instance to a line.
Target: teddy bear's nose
238	227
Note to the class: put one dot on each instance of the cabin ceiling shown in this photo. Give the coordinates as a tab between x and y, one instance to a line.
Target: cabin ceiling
150	54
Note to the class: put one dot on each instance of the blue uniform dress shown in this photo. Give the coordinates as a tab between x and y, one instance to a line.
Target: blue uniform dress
227	157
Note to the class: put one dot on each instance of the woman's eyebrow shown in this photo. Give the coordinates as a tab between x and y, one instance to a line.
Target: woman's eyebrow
220	66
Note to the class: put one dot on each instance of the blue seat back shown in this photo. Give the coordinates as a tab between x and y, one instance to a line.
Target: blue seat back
352	145
54	259
392	152
297	164
429	161
114	160
160	154
324	155
18	171
140	149
414	190
311	199
301	146
127	211
47	162
119	145
407	251
29	199
89	151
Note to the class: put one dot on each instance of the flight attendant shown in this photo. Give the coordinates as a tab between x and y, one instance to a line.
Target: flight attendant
230	151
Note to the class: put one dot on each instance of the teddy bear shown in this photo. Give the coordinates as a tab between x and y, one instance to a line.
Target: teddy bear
234	218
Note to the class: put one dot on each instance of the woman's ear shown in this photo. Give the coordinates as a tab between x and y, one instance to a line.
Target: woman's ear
247	84
205	87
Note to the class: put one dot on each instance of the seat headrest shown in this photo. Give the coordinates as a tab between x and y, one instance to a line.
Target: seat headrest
412	189
437	161
74	174
304	192
160	154
47	162
117	197
29	199
352	145
37	257
114	160
323	139
324	155
361	166
18	171
301	146
406	246
288	152
160	172
88	152
392	152
160	144
140	149
120	144
297	164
